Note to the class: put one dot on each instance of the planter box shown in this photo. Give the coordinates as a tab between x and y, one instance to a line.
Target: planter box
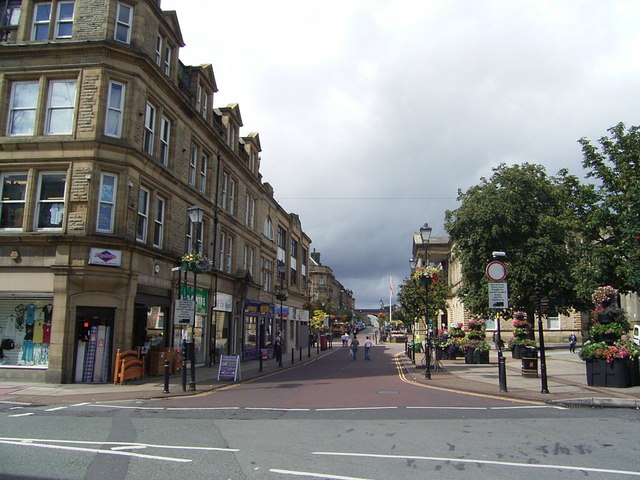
474	356
518	351
620	373
444	354
608	338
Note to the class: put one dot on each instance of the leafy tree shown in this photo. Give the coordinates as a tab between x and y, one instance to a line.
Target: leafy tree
317	321
613	228
527	214
411	297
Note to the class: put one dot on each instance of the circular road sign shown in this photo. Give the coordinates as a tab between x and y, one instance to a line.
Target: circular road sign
496	271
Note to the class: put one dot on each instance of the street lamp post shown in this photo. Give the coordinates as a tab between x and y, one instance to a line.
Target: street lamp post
195	215
281	296
425	234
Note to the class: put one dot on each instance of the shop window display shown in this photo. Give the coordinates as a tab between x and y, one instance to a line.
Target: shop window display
25	332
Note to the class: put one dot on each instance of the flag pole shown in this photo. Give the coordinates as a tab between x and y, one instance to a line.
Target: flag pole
390	295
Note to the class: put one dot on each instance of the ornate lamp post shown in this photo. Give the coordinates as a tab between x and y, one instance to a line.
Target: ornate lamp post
195	215
426	279
281	295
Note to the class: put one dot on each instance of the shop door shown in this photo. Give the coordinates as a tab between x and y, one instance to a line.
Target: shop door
94	345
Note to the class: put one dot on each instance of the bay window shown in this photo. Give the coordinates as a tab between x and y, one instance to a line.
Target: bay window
60	107
107	203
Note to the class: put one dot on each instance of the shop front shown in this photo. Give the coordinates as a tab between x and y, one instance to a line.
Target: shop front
258	328
224	333
25	330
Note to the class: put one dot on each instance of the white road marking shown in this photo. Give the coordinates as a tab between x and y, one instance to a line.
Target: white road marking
54	409
315	475
9	402
349	409
95	450
21	414
121	444
484	462
279	409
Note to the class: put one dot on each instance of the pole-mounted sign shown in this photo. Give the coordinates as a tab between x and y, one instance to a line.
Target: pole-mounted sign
496	271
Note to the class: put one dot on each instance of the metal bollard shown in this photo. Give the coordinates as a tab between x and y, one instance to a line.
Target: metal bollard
184	366
260	357
300	353
293	353
166	377
309	352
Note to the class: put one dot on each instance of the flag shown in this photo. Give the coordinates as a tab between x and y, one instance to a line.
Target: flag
390	286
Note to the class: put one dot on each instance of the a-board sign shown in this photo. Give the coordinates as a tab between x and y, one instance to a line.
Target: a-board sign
229	368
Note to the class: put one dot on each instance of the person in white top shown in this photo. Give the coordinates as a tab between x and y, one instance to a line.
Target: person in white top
345	339
367	347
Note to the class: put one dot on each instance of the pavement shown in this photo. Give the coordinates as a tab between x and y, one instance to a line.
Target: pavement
566	381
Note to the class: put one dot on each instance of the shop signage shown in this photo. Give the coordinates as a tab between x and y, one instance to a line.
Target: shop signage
224	302
201	298
105	256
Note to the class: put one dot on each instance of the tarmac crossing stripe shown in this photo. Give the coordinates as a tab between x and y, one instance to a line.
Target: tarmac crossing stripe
455	460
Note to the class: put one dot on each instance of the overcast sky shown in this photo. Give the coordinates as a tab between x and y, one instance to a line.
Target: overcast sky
373	113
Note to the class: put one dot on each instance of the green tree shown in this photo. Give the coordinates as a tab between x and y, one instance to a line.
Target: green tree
412	298
317	321
524	212
613	228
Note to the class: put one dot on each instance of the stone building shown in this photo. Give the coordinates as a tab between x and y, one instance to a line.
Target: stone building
108	144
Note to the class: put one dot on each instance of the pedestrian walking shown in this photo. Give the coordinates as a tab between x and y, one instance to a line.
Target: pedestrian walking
572	342
345	339
367	347
353	351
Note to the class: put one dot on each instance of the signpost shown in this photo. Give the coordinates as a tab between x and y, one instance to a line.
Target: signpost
498	300
498	295
184	312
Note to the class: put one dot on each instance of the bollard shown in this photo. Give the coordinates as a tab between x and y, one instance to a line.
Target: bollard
502	372
300	353
184	366
293	353
260	356
309	352
166	377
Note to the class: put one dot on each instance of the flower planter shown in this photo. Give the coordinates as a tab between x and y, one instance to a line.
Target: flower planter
608	338
620	373
445	354
606	318
518	351
475	356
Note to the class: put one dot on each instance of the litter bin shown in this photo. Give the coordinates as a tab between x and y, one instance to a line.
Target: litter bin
530	362
323	342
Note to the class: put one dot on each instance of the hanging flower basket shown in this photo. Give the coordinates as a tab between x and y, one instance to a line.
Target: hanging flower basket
426	275
194	262
281	295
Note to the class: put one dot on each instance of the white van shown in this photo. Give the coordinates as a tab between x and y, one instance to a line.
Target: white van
636	334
